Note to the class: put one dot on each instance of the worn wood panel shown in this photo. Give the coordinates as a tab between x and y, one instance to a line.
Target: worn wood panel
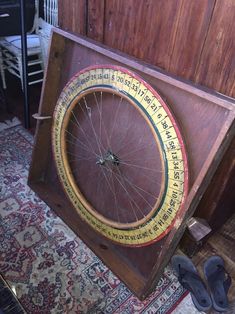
191	39
217	204
217	65
219	199
72	15
95	19
192	28
145	29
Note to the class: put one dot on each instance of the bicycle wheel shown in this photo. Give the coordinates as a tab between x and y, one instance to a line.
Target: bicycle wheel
119	155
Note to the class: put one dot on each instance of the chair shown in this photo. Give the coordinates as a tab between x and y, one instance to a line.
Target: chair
11	55
2	70
50	20
51	12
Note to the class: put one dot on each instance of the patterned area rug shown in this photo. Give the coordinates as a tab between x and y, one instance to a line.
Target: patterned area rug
49	267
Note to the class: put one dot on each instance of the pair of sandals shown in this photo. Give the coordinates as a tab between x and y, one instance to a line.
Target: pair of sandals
217	278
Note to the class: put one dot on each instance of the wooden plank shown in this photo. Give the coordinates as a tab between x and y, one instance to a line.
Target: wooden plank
145	29
217	64
219	199
217	203
72	16
95	19
192	39
194	21
149	70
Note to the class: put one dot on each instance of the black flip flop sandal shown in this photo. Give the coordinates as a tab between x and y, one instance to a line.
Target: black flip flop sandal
190	280
219	282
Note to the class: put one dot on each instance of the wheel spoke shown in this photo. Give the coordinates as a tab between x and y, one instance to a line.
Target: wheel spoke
118	181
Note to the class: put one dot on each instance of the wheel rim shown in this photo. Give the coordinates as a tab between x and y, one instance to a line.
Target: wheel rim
122	163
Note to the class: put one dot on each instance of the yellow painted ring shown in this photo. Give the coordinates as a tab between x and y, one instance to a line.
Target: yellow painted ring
133	87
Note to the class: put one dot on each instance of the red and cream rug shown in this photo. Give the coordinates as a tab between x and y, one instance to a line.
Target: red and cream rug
50	269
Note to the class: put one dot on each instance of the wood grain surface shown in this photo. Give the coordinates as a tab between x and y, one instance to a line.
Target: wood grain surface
72	15
216	68
95	20
191	39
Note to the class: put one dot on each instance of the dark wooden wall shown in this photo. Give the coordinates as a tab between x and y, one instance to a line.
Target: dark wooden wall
191	39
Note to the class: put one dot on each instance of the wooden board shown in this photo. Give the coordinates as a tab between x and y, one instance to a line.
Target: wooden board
192	39
206	122
72	15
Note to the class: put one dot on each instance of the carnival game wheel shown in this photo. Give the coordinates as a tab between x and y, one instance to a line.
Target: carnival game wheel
119	155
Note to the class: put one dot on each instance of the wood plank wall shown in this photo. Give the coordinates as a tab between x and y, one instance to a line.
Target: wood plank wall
191	39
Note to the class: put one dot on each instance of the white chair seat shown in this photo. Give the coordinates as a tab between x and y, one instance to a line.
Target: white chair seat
13	44
32	41
12	55
37	46
44	34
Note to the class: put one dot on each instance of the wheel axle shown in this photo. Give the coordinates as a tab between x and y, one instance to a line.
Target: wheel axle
109	156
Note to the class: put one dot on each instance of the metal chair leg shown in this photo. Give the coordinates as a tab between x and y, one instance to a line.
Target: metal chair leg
2	71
